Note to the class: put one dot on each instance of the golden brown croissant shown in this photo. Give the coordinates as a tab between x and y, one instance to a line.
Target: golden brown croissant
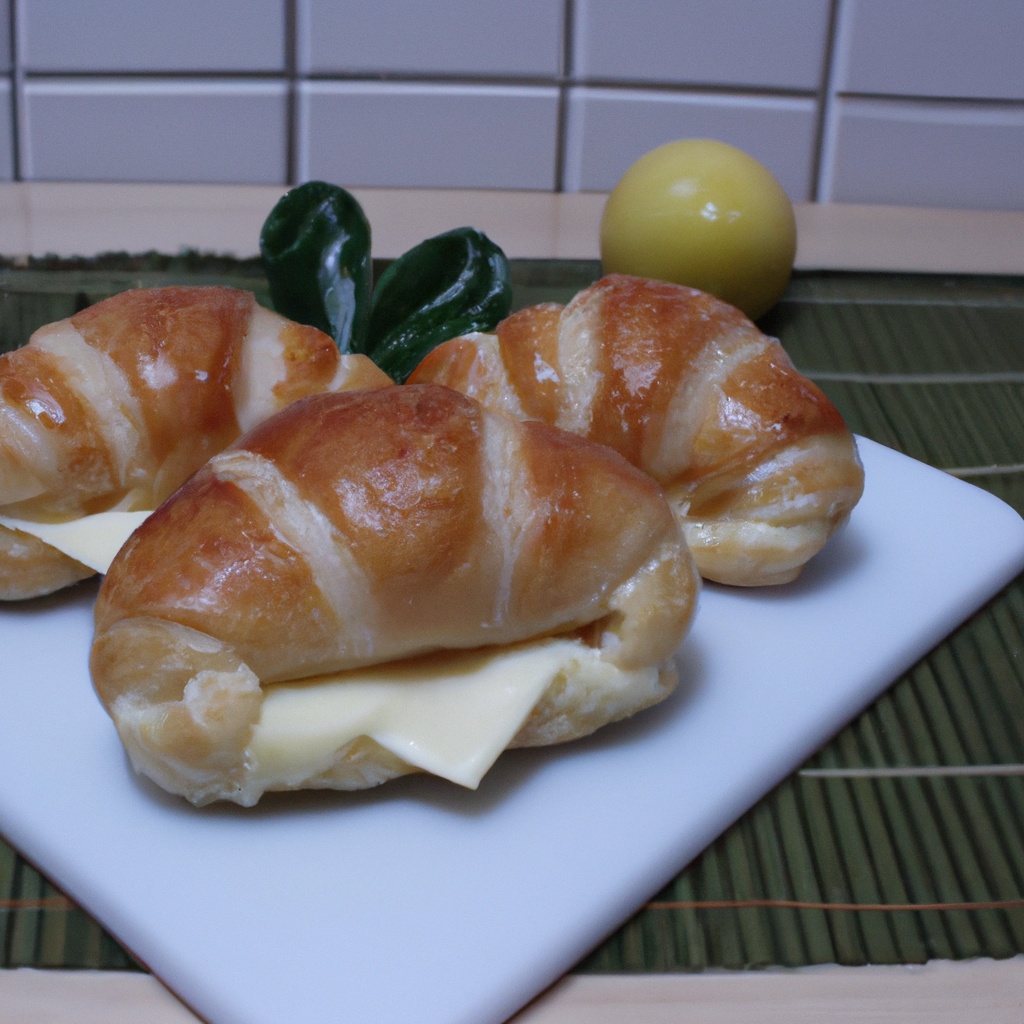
757	463
379	528
118	405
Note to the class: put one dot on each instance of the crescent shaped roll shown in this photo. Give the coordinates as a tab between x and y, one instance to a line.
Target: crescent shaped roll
382	527
115	407
757	463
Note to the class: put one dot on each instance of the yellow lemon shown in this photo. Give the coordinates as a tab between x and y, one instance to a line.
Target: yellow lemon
703	214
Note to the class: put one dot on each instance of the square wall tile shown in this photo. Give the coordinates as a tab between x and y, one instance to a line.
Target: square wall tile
185	131
926	154
942	48
153	35
732	42
610	129
426	136
453	37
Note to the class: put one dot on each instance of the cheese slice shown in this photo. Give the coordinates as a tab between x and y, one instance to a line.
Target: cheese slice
449	714
92	540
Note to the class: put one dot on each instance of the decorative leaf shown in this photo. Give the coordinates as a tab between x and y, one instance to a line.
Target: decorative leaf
316	250
449	285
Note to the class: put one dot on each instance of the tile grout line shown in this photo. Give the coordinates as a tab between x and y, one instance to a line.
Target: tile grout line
19	135
824	116
564	78
291	168
826	140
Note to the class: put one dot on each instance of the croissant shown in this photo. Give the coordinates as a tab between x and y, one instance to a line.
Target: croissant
115	407
756	462
399	530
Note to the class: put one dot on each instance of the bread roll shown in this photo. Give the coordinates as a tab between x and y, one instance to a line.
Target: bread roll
373	527
757	463
118	405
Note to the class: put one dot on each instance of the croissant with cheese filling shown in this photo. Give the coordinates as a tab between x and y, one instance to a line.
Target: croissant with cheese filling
350	590
757	463
115	407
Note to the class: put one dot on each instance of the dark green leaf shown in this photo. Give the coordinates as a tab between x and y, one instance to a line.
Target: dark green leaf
446	286
316	249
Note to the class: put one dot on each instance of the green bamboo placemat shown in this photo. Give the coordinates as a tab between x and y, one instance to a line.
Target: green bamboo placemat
903	838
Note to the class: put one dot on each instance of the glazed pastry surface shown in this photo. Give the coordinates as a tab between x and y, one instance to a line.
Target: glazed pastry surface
757	463
362	528
118	405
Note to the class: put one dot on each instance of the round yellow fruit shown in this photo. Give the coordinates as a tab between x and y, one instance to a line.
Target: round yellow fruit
703	214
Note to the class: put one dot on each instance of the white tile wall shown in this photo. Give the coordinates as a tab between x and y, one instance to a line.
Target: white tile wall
609	129
883	101
152	35
780	44
152	130
450	37
938	48
919	154
925	104
441	136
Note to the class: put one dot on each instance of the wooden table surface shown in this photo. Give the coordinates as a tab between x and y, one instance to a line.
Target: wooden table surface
85	220
75	219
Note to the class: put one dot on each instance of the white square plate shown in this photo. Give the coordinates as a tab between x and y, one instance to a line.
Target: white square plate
422	903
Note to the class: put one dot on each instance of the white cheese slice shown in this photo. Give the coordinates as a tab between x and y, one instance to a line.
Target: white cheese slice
451	714
92	540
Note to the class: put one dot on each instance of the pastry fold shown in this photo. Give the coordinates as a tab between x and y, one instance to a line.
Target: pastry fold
116	406
383	526
757	463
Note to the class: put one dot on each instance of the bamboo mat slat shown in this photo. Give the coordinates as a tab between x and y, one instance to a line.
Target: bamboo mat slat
904	840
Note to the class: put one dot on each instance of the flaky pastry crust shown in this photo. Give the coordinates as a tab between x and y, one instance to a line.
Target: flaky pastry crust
757	463
116	406
367	527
